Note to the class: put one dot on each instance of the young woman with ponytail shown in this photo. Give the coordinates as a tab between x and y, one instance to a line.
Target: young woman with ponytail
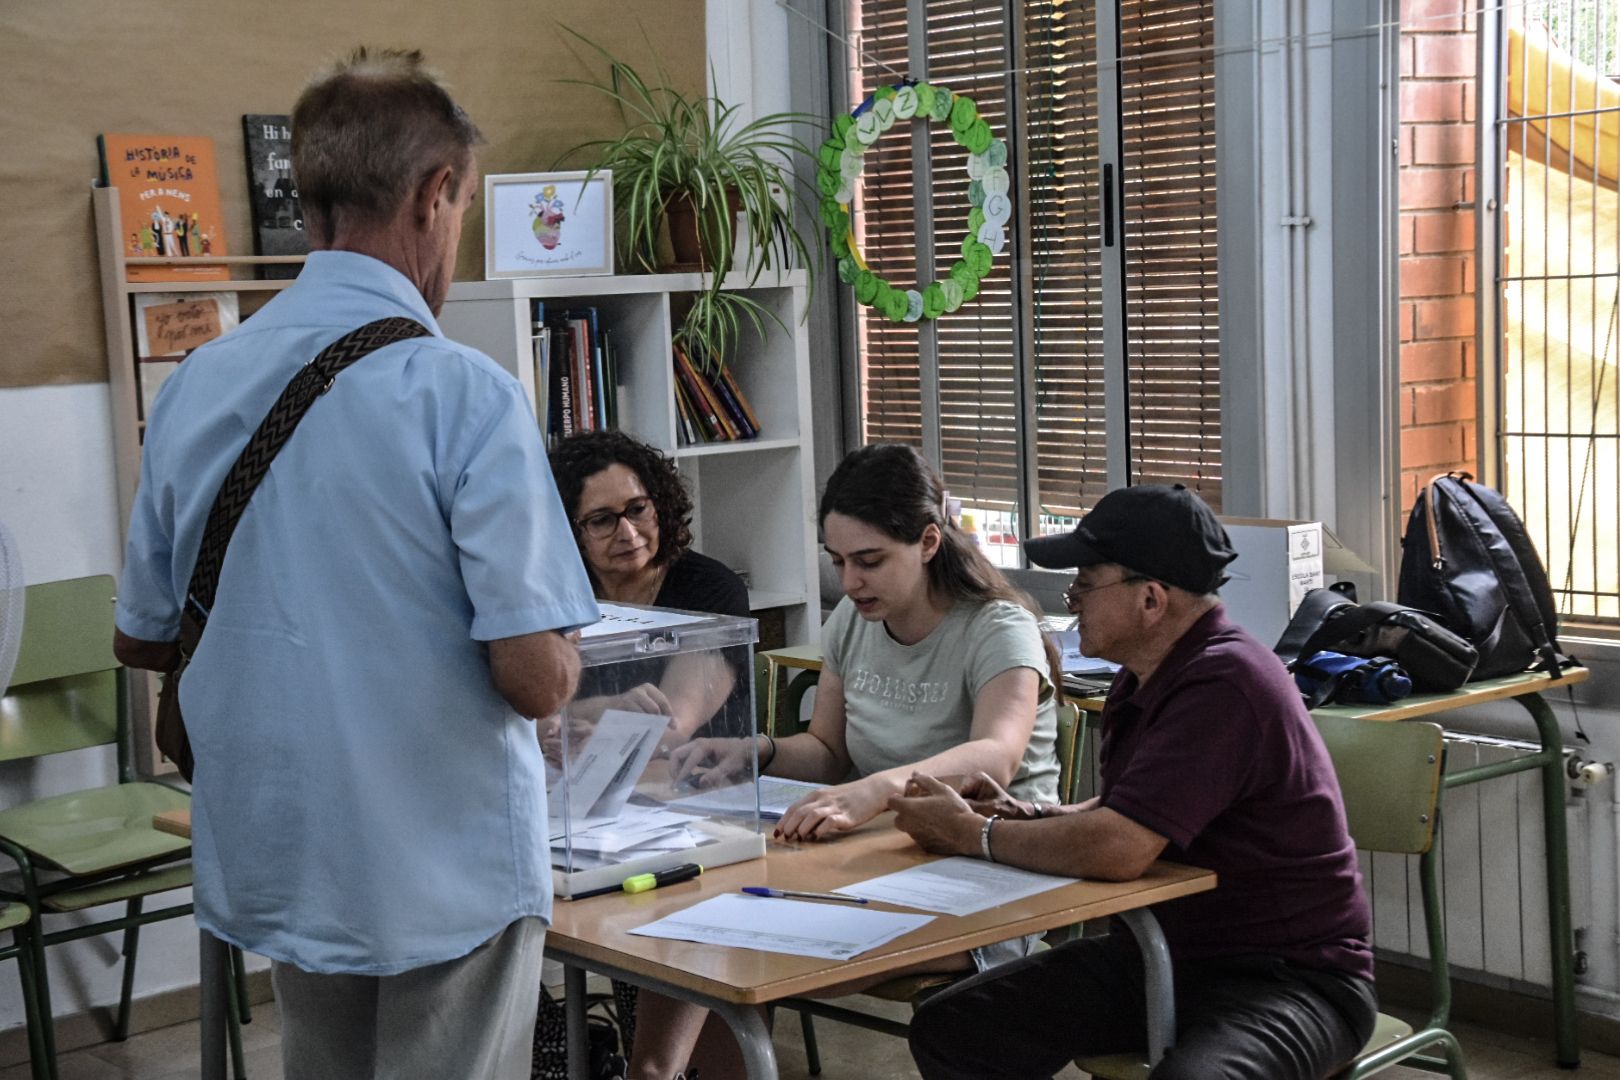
933	664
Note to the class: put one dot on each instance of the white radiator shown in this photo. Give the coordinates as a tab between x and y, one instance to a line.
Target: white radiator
1492	872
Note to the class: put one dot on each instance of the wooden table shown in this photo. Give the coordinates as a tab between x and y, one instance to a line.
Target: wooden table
595	935
1525	689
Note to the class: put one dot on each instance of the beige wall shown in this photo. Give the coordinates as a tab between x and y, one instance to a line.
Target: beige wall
76	68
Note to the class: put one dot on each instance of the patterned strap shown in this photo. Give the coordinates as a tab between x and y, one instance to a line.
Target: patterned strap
313	379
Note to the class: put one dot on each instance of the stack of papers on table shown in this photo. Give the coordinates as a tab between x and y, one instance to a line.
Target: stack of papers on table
955	886
795	927
634	831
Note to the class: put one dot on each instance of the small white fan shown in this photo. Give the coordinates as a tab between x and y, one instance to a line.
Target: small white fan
11	605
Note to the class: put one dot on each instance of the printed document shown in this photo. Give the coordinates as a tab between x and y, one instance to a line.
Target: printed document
955	886
796	927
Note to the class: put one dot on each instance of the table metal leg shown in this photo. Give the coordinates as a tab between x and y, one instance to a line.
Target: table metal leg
579	1056
214	963
753	1038
1558	910
1160	988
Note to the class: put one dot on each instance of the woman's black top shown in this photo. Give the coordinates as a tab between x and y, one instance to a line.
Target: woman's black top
696	582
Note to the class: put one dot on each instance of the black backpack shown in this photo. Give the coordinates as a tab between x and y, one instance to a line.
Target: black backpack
1467	558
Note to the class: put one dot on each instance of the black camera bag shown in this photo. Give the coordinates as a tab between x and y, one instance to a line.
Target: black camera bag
1433	656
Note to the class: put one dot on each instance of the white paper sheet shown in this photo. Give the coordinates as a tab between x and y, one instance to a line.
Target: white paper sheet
796	927
1067	643
616	619
775	796
603	772
955	886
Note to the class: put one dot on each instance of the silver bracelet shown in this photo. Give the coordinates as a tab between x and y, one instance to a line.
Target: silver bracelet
767	762
984	837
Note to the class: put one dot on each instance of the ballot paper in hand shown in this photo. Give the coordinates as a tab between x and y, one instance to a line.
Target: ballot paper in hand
955	886
795	927
603	772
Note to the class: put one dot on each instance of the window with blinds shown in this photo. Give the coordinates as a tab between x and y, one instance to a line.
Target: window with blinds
1042	56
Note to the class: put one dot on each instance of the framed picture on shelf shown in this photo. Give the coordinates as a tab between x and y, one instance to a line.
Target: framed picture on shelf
543	224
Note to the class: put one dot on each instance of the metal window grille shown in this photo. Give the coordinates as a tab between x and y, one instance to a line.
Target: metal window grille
1557	330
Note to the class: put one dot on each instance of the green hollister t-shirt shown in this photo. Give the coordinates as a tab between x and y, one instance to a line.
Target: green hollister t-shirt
904	703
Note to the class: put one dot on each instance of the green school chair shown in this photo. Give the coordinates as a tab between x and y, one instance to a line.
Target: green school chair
88	848
1390	775
915	989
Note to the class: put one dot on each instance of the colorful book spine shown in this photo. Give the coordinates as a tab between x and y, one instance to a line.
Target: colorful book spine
742	399
702	407
733	407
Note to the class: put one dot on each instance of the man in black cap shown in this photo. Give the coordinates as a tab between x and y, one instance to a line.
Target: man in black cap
1208	758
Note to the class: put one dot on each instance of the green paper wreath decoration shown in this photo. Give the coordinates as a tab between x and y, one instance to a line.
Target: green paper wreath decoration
841	159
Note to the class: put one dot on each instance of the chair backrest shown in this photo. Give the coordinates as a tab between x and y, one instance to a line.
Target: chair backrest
64	693
1071	743
1389	772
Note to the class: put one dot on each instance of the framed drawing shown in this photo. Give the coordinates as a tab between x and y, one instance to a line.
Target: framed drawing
541	224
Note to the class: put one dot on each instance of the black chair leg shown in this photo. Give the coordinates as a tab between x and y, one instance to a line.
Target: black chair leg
41	1064
812	1053
239	976
132	944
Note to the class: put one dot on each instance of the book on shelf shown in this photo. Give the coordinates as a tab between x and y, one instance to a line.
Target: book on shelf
580	379
540	346
719	408
278	221
168	201
168	326
703	404
741	399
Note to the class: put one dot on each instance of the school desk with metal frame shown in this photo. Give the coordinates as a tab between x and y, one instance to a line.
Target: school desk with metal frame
595	935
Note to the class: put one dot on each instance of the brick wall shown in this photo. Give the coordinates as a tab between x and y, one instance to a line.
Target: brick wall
1437	267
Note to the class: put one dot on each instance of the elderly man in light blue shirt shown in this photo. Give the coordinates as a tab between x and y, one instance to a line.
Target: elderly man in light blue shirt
369	800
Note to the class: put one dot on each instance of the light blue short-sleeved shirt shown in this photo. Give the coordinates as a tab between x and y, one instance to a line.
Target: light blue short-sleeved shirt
365	801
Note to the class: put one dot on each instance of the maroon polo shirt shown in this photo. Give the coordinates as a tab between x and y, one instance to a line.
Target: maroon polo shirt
1218	755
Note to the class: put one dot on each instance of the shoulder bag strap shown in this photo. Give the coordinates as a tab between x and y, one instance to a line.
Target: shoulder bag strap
313	379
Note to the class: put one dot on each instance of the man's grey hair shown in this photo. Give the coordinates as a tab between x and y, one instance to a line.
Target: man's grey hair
367	131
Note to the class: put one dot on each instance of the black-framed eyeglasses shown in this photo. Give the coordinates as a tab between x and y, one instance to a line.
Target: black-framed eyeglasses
604	523
1072	595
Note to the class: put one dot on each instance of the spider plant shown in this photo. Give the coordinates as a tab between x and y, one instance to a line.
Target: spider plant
683	154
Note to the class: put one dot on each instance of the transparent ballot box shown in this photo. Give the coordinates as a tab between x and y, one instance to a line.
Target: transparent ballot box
618	803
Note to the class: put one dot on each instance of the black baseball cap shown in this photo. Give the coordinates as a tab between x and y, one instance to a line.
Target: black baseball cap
1163	532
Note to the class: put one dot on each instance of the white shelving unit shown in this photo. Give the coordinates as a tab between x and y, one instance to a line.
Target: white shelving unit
753	499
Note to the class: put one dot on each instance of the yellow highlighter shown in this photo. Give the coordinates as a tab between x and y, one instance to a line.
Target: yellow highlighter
646	882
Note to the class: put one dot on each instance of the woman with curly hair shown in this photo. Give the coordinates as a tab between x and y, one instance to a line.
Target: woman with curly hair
632	520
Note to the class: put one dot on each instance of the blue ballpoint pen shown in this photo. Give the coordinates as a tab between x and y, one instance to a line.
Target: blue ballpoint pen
760	890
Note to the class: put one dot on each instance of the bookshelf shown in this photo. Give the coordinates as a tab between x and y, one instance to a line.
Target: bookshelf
753	499
123	380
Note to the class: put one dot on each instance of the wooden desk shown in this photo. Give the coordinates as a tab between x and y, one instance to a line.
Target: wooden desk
595	935
1525	689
